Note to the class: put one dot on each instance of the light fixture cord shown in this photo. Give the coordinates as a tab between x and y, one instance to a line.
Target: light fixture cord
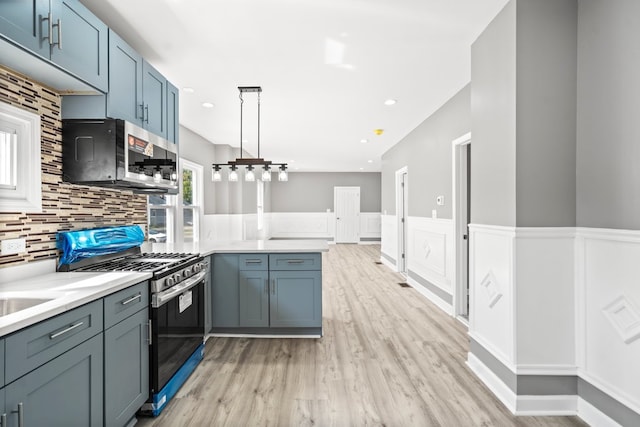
258	124
241	102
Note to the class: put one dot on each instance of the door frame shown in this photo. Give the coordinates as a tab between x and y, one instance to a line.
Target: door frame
402	232
459	227
335	210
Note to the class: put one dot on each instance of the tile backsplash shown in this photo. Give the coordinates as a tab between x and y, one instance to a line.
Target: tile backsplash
64	206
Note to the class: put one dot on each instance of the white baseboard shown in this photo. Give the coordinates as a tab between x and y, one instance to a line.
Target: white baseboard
547	405
388	263
594	417
447	308
493	383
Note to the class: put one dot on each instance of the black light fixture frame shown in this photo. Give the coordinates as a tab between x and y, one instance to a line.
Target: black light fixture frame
249	161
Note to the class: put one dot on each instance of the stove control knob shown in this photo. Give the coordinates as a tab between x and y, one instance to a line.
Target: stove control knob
187	272
170	282
197	268
177	277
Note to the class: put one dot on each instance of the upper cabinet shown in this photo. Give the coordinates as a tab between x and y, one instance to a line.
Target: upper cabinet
137	93
61	31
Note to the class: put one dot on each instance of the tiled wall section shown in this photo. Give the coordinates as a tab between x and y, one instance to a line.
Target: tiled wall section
64	206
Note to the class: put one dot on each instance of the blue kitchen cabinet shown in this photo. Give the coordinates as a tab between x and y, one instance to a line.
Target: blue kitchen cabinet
224	291
124	99
254	298
154	96
25	24
63	32
173	113
3	412
66	391
296	299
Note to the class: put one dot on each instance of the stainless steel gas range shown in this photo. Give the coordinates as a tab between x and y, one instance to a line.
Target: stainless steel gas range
177	314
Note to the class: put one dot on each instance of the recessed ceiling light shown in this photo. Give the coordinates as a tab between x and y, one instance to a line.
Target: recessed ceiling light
207	105
369	161
364	141
292	161
390	102
188	89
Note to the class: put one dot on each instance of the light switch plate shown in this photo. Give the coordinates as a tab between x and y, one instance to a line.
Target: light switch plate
13	246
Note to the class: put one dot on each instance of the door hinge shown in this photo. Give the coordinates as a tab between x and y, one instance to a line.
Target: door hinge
402	256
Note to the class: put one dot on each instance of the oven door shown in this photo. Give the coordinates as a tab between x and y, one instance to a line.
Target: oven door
177	317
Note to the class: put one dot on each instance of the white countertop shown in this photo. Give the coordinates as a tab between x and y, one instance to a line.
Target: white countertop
240	246
73	289
66	290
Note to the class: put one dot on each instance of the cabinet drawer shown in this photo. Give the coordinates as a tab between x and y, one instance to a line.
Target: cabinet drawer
254	262
297	261
124	303
34	346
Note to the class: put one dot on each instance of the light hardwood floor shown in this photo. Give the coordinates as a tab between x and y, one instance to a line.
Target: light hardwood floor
388	357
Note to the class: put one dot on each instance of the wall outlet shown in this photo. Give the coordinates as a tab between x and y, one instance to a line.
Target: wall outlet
434	214
13	246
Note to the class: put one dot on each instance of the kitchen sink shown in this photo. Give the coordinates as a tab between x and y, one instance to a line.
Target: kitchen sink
12	305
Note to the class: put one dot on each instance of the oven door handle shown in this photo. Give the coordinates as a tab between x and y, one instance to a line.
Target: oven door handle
161	298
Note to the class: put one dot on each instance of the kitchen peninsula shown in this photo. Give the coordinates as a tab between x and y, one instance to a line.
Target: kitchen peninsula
261	287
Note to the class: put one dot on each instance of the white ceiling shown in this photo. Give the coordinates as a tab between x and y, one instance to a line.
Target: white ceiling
325	67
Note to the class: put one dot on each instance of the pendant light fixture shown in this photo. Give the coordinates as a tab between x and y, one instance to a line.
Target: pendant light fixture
250	163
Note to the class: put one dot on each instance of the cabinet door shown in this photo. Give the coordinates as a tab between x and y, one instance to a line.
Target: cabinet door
126	368
225	295
173	108
81	43
154	95
24	22
67	391
254	298
124	100
296	299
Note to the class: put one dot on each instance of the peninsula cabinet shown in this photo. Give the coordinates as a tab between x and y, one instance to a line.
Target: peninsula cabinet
267	294
61	31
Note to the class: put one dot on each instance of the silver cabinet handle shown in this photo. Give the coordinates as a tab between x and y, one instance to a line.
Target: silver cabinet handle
150	332
132	299
3	420
146	113
64	331
59	25
50	28
253	261
295	261
141	112
20	413
273	287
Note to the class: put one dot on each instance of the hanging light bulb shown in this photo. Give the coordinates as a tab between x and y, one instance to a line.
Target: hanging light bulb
233	174
266	174
157	175
174	175
216	176
283	175
249	175
141	174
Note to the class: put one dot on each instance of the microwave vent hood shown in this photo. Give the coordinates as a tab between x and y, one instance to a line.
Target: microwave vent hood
117	154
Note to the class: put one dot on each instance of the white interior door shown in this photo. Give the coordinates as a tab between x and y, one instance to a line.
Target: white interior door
347	209
402	210
462	217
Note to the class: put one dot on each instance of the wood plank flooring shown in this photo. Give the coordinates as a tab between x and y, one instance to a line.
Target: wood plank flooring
388	358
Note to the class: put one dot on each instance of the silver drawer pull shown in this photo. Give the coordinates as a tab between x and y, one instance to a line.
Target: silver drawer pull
3	420
253	261
295	261
64	331
132	299
20	413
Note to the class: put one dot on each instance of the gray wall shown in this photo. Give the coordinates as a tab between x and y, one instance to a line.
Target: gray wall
523	73
608	188
313	191
426	151
493	118
196	149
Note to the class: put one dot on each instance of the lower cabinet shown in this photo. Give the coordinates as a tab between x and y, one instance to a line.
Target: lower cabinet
66	391
267	293
296	299
126	368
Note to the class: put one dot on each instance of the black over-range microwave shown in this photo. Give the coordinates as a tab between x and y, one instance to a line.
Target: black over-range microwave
118	154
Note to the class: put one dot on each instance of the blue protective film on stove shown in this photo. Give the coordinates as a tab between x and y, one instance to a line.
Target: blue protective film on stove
82	244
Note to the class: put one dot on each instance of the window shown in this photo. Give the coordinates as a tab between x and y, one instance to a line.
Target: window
192	195
20	173
161	208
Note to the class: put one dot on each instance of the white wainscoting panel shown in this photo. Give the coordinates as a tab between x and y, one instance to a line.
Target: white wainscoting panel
545	296
430	250
492	322
608	298
370	225
389	236
222	227
303	225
